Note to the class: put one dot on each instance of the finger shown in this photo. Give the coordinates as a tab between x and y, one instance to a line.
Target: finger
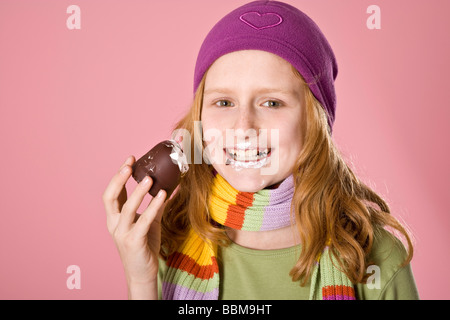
130	207
116	187
154	209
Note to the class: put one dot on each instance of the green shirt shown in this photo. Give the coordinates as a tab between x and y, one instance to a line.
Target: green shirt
248	274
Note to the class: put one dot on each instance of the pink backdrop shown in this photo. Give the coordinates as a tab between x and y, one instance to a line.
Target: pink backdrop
75	103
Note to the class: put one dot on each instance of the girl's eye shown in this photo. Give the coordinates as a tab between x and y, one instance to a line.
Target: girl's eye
223	103
272	104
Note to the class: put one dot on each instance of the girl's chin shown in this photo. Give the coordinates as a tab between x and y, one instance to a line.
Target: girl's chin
246	180
236	171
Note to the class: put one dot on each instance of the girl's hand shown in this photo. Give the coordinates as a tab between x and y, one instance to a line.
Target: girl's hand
137	237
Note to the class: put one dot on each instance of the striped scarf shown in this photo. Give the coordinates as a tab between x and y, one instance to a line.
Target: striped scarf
193	271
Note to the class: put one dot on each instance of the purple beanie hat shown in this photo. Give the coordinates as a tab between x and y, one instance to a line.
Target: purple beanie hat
283	30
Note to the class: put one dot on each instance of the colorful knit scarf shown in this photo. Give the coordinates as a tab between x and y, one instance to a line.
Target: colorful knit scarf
193	271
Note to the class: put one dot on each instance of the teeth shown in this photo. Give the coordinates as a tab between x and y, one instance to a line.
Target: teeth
247	155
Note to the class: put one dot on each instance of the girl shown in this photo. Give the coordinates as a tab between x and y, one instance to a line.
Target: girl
276	216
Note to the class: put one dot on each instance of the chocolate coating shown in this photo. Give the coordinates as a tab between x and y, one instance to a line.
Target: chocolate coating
158	164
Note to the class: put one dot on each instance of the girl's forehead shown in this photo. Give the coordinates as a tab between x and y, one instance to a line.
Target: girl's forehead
252	72
261	90
255	85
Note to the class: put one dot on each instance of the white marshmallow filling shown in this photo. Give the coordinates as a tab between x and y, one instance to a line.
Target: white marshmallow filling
248	155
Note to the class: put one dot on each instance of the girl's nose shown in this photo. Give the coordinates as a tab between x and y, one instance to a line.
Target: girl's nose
245	119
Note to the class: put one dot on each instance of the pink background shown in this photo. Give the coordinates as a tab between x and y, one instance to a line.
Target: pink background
75	103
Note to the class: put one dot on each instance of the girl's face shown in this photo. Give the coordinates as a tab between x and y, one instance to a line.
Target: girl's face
252	100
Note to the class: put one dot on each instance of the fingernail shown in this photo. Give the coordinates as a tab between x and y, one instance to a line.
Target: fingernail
160	194
146	180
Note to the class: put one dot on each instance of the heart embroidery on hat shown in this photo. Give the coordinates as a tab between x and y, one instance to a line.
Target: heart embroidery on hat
260	21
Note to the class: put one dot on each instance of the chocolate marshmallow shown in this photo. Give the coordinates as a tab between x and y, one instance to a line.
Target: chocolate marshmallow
165	163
